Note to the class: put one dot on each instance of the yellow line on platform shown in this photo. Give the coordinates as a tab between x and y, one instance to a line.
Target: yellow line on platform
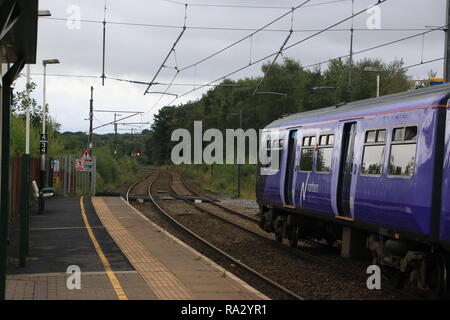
112	277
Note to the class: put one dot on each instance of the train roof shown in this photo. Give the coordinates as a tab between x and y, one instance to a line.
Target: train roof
405	100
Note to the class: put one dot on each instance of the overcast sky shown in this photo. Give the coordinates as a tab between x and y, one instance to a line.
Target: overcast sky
136	52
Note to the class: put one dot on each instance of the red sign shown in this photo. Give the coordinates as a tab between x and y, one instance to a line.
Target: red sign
86	156
79	166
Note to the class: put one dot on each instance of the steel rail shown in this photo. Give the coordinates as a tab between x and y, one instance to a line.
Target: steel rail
229	210
134	185
216	249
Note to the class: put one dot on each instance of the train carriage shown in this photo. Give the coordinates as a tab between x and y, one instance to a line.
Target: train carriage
380	166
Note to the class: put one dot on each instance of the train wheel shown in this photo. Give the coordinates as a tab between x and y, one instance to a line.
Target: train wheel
293	237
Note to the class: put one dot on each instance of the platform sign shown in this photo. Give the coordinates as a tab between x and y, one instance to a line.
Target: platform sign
43	146
79	165
43	143
86	157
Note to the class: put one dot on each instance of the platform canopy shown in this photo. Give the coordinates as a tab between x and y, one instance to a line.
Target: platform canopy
18	30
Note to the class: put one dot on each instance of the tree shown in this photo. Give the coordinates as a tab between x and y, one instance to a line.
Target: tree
218	107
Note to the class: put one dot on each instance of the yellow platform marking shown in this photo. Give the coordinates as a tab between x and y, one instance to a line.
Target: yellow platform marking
158	278
112	277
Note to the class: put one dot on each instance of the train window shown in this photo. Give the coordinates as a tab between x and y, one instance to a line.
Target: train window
403	158
307	154
331	139
268	144
306	160
398	134
411	133
373	160
325	153
324	157
371	136
281	143
381	135
373	155
403	152
306	141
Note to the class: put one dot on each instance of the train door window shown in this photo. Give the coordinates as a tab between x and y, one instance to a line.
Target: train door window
269	153
325	153
373	155
277	148
307	155
403	152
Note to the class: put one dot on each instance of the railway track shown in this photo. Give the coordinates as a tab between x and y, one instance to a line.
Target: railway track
255	274
218	205
163	183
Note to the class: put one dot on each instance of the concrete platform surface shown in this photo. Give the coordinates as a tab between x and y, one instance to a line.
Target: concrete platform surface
120	255
171	269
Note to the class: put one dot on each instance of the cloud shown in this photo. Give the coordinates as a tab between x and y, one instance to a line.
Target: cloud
136	52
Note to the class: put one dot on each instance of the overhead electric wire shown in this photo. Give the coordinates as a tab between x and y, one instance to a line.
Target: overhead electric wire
112	122
284	49
248	6
422	63
245	38
385	44
170	52
230	46
376	47
123	80
306	66
231	28
166	90
167	57
258	86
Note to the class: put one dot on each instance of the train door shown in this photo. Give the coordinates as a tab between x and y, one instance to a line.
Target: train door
346	169
290	166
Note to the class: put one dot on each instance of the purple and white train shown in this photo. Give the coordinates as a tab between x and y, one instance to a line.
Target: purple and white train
380	167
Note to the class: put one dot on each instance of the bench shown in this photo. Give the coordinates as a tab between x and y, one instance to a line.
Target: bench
40	195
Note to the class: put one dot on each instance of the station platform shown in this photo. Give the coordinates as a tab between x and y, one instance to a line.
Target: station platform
121	255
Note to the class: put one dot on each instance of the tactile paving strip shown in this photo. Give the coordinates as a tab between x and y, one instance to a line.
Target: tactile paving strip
159	279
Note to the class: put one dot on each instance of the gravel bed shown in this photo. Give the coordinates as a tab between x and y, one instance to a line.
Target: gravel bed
240	203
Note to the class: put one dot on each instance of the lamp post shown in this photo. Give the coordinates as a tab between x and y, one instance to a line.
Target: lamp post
43	136
371	69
